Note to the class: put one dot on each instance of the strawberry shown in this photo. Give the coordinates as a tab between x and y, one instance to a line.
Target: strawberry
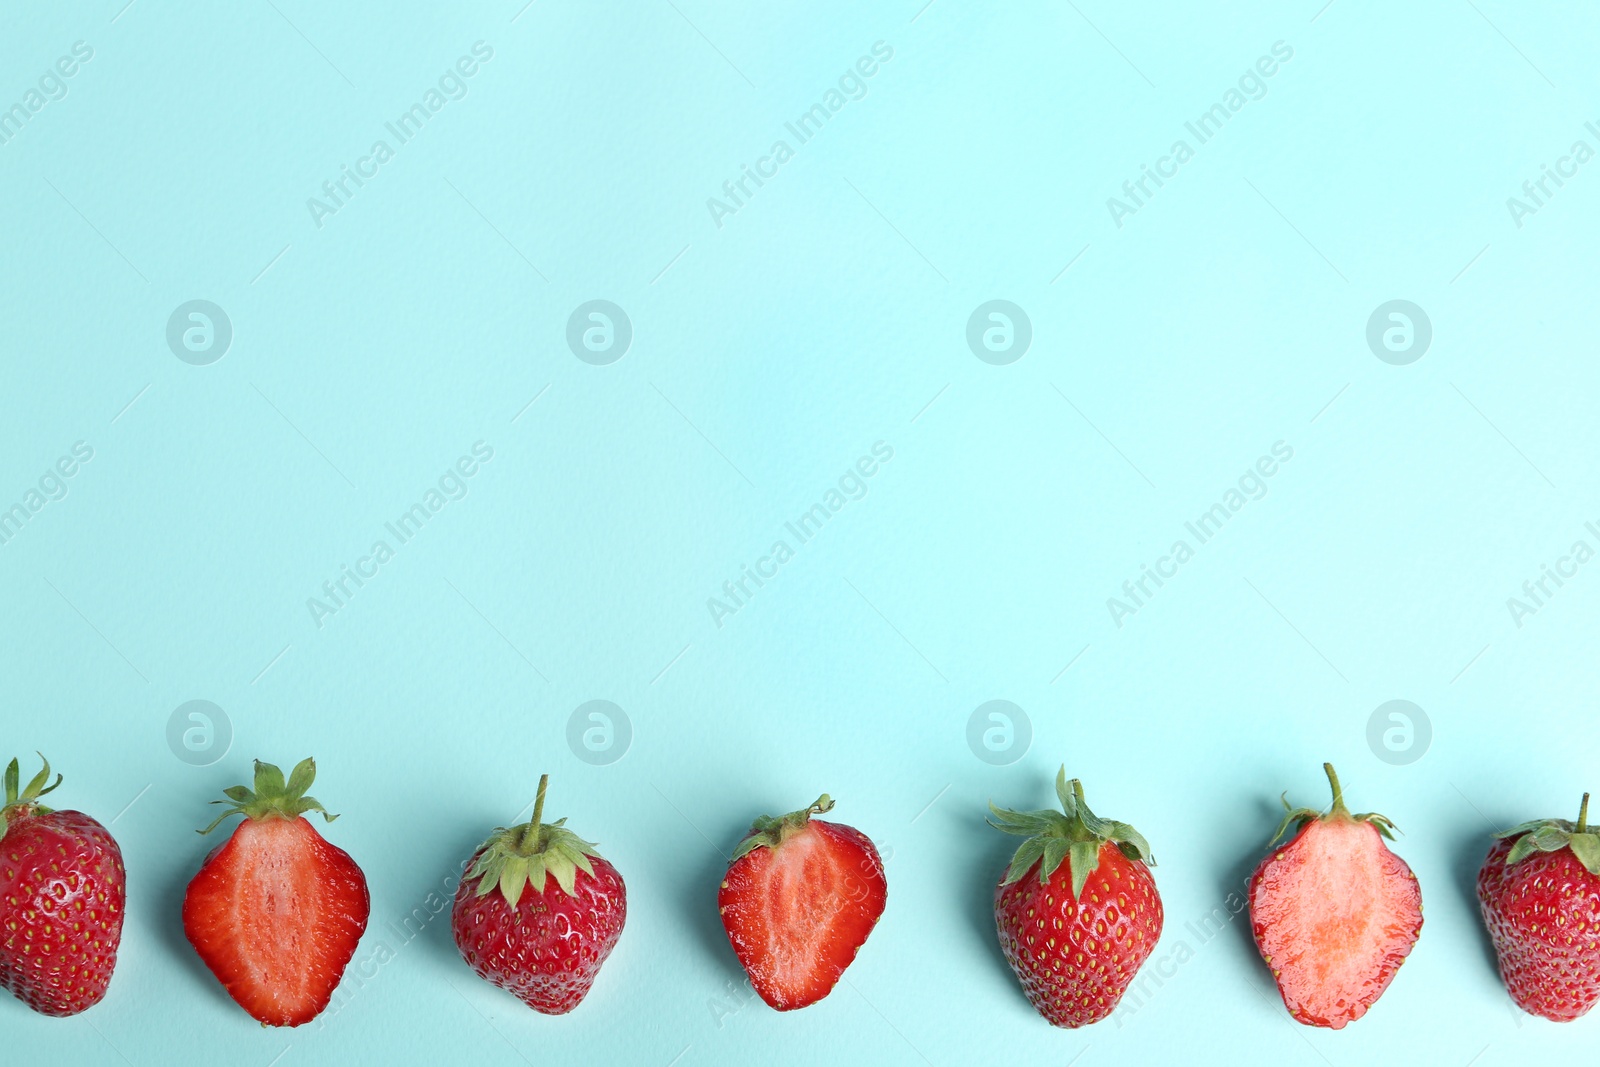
798	901
276	912
1334	912
1077	910
1540	891
538	912
62	891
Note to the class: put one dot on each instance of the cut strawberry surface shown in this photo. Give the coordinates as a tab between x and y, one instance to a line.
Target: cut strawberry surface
276	912
798	901
1334	913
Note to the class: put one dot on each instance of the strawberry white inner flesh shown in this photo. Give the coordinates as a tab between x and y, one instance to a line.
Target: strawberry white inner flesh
802	901
1336	913
275	910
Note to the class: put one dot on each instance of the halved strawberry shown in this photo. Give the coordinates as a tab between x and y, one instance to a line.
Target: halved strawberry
1334	912
276	912
798	902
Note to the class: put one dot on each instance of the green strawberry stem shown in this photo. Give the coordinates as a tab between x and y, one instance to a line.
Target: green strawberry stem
272	796
1338	793
1553	835
770	831
1073	835
516	857
19	799
1299	817
530	834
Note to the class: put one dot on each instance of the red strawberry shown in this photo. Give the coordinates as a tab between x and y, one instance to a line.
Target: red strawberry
540	938
1334	912
1078	932
1540	891
276	912
62	891
798	901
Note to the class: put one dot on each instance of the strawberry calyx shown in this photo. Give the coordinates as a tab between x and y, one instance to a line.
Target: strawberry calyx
770	831
515	857
24	800
272	797
1074	835
1553	835
1301	816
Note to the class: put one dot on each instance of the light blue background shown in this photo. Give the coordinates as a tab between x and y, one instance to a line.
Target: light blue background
828	314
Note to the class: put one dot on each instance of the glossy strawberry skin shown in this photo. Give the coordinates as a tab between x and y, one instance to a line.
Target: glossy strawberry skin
276	913
798	913
1543	915
63	891
547	950
1297	918
1076	958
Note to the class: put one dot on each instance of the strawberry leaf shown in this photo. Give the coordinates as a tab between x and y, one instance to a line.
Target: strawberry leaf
25	798
269	780
518	859
272	796
1553	835
1586	847
301	777
1085	858
1074	835
770	831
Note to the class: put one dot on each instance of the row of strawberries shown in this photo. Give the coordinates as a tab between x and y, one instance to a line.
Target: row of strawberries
276	911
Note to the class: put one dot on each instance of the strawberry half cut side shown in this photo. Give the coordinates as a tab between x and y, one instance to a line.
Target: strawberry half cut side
1334	912
276	911
798	901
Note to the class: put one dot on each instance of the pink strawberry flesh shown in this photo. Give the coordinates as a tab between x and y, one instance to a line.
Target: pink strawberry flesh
1335	914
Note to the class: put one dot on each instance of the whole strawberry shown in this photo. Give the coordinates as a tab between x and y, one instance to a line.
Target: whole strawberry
62	891
276	911
1540	891
1077	910
1334	912
798	901
538	912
